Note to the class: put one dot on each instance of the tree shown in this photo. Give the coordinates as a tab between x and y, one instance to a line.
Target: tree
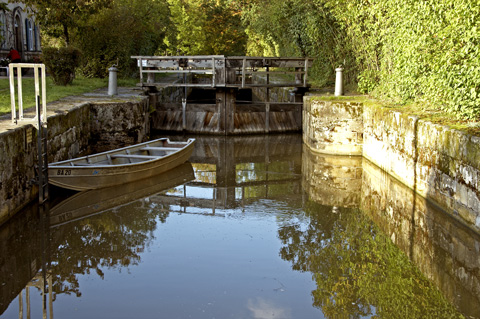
298	28
207	27
58	18
223	27
126	28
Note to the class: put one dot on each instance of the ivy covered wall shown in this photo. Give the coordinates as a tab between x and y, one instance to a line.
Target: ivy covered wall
404	50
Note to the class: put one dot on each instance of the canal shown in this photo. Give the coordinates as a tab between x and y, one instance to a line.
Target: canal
252	227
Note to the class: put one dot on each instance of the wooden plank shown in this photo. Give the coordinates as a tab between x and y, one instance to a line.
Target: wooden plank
274	107
176	57
221	109
83	164
274	72
191	107
180	71
230	97
229	85
206	61
261	62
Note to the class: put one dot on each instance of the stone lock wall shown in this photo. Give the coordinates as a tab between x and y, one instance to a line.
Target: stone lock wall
73	127
439	163
114	125
333	127
17	162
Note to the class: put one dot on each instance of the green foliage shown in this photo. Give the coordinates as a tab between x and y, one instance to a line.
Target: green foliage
206	27
299	28
423	51
114	34
61	63
367	81
60	18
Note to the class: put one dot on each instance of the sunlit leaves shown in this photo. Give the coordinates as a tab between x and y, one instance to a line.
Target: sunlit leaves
206	27
406	50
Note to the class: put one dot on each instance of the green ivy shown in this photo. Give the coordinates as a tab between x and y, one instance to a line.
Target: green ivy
407	50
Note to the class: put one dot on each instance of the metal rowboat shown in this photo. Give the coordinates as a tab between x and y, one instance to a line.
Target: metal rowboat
120	166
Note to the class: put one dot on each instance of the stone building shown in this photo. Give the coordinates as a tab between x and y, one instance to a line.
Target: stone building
19	30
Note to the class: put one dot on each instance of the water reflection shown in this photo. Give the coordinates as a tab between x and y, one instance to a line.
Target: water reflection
357	269
254	227
83	204
446	251
241	170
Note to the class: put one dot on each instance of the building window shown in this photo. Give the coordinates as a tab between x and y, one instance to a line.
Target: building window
18	36
29	33
36	38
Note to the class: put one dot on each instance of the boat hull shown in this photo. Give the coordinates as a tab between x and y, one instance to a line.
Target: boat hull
96	173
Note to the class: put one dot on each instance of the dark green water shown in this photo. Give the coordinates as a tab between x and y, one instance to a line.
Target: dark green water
253	227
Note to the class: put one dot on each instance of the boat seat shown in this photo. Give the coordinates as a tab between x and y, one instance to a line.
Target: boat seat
134	156
155	148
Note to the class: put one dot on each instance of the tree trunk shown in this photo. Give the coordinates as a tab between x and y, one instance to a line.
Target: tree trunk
65	34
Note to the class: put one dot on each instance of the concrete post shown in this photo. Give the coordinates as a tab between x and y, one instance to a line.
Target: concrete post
112	81
339	81
151	78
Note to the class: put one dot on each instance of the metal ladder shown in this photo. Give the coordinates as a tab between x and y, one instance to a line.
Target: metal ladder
39	121
42	135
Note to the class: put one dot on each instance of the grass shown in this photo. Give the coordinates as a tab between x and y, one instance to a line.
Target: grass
54	92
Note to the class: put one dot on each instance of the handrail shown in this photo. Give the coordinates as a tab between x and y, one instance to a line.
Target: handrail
218	67
37	67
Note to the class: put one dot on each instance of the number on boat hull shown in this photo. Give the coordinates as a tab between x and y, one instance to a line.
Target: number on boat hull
64	172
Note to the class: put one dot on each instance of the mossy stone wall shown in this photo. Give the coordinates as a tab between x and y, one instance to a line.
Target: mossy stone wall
333	127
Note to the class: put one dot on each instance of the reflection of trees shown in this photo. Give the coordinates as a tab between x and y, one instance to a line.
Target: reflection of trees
112	239
205	173
357	269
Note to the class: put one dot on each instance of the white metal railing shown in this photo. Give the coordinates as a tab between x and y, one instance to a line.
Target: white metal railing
206	64
220	69
37	68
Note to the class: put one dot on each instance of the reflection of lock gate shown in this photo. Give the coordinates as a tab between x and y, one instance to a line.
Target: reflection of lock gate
237	176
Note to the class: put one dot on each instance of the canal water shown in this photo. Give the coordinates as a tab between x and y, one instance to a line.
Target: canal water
251	227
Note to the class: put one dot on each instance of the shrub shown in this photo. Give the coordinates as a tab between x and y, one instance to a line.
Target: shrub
61	63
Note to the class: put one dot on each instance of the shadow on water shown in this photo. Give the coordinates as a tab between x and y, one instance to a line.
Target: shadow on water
253	226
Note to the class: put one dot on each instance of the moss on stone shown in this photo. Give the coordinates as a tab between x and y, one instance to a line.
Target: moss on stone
434	116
